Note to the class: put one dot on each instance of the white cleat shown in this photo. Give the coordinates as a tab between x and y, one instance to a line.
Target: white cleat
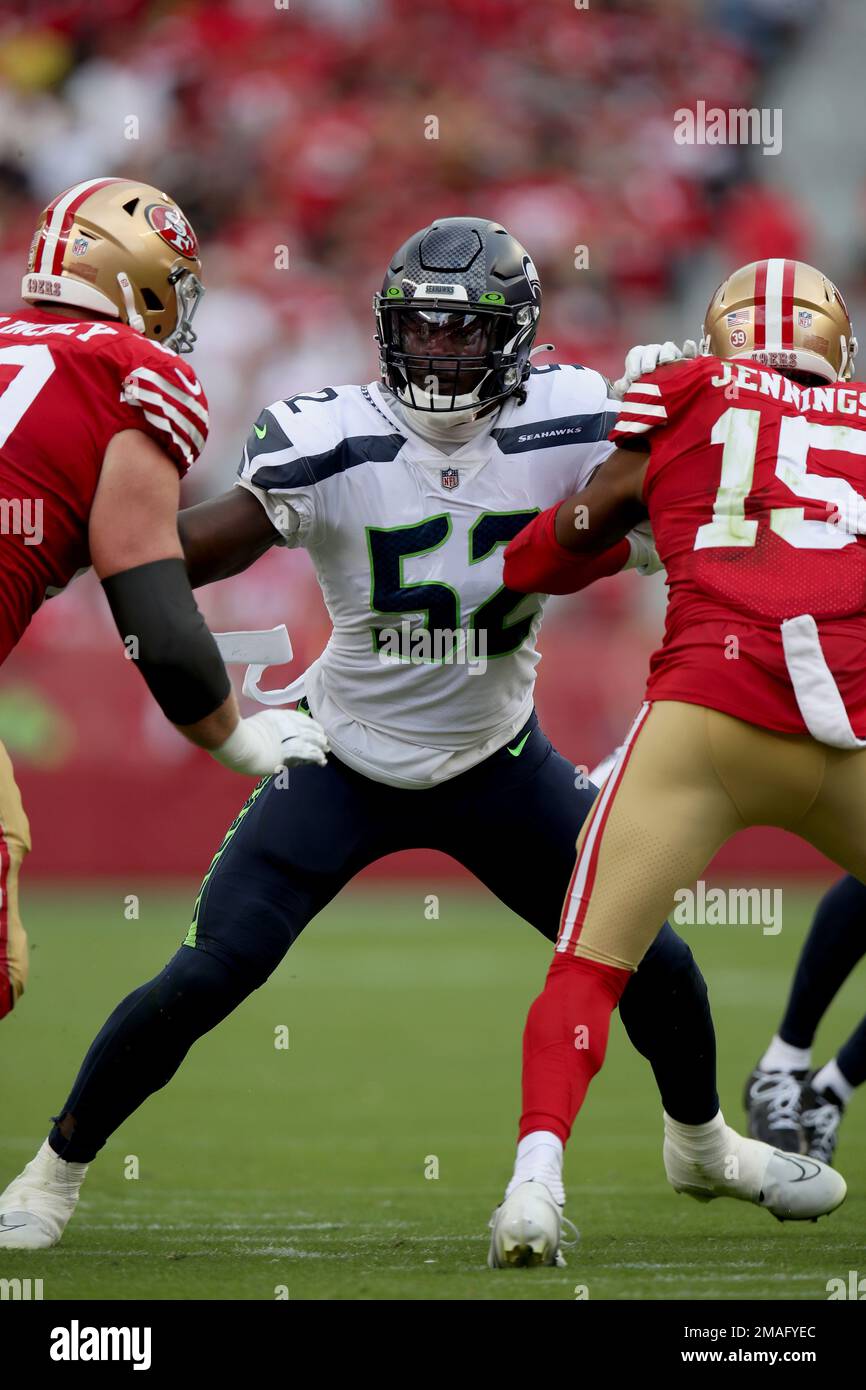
37	1205
527	1229
797	1188
790	1186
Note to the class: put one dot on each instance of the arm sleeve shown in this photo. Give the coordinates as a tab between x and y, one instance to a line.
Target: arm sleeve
165	401
276	473
164	632
536	563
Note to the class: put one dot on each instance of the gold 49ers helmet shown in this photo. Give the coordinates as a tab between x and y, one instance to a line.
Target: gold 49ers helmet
783	314
121	248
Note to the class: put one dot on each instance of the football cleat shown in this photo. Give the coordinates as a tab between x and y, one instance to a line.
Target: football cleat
36	1206
772	1101
798	1188
820	1114
527	1229
790	1186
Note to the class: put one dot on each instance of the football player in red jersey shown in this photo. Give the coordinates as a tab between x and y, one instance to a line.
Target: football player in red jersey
99	420
745	460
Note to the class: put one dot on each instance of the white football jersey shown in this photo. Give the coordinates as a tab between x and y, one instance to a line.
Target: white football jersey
430	666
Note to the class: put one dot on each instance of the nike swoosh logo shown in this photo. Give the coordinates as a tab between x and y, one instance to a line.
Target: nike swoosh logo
260	433
194	387
516	752
800	1164
11	1225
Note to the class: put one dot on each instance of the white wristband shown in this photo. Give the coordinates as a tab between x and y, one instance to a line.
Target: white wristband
273	739
243	746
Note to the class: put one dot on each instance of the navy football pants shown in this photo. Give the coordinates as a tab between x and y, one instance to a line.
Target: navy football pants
512	821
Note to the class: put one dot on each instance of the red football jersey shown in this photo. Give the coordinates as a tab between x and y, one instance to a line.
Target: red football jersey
745	466
66	388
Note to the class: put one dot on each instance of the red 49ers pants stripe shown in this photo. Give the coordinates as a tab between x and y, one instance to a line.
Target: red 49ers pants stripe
589	843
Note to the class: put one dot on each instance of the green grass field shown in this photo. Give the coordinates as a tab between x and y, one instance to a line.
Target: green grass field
261	1167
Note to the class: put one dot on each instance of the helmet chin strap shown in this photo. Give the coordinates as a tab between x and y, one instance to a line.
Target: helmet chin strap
133	317
449	418
464	407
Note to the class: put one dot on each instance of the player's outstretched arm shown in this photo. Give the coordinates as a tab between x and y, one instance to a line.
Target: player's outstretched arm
585	537
136	551
607	508
224	535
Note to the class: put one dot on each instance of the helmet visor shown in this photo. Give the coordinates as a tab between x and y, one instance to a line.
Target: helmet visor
445	352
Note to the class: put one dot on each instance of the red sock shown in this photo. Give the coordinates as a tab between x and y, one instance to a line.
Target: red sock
565	1039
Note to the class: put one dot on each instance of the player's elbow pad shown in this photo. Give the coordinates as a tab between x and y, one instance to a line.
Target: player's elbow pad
166	636
536	563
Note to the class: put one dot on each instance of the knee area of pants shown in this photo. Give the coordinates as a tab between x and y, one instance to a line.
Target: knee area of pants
202	971
685	971
670	957
566	965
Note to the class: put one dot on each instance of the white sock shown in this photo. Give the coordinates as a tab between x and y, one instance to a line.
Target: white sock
781	1056
705	1143
831	1076
717	1152
56	1170
539	1158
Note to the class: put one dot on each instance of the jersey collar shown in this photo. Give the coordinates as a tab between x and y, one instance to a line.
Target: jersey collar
471	456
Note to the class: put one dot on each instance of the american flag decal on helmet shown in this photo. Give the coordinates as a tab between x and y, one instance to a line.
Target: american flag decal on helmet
450	478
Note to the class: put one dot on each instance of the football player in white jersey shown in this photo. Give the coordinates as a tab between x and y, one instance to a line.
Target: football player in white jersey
405	493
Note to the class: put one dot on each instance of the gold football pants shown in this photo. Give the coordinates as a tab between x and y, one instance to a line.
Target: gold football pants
686	779
14	844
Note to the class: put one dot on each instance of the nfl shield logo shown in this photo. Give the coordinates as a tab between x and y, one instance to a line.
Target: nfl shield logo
80	245
450	478
804	319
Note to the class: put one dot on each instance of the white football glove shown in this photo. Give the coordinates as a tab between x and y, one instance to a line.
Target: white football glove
644	556
646	357
276	738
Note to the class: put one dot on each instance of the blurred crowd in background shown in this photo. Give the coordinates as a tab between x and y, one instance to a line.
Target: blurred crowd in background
321	133
334	128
